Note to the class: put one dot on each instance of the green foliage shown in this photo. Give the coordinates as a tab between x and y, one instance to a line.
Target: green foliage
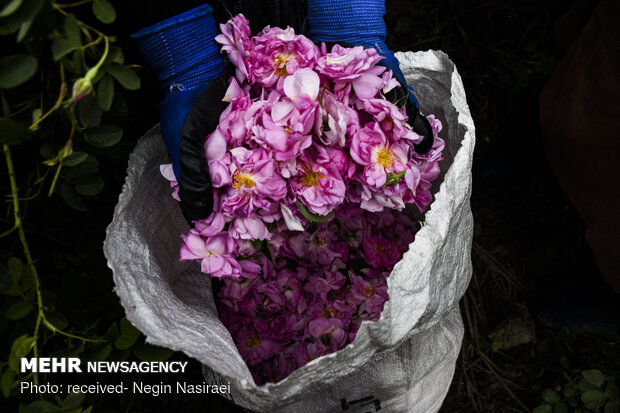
393	179
591	390
62	120
104	11
12	132
17	69
71	404
152	353
312	217
20	348
127	337
103	136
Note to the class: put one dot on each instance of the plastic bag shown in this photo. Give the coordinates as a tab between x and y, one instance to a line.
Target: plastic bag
404	362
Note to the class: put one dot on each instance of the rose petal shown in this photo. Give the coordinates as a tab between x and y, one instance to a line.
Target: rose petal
367	86
292	223
303	82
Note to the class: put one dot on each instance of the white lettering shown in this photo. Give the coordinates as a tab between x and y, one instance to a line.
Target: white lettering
44	365
74	365
28	365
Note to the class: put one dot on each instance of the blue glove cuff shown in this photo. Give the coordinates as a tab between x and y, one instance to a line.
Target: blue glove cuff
182	50
358	22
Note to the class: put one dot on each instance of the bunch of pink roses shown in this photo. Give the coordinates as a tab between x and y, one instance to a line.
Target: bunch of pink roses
311	297
310	164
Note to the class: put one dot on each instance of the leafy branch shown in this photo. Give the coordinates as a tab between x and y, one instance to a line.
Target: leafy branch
64	127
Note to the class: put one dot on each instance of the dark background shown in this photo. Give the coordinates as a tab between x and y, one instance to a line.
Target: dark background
528	239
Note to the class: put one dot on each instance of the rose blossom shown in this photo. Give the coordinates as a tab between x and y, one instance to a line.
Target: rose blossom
235	41
277	53
216	254
256	184
253	348
317	186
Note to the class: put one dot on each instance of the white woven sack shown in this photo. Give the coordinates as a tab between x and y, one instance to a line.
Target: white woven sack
404	362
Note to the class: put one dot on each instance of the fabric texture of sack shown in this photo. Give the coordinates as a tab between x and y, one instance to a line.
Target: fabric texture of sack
404	362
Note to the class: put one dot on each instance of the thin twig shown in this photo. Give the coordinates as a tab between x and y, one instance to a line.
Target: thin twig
502	381
498	267
22	238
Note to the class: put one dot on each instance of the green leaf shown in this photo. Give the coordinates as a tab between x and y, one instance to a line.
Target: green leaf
104	11
16	271
114	55
149	352
123	75
544	408
129	335
594	377
583	385
312	216
16	268
20	348
612	407
7	381
36	14
39	406
23	15
593	399
10	8
24	29
113	333
89	185
78	61
103	136
12	132
75	158
58	320
72	198
97	352
19	310
73	401
393	179
550	396
89	112
61	47
89	166
72	31
105	93
560	408
36	115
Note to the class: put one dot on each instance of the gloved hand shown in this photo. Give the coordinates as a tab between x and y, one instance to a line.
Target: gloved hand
183	53
360	23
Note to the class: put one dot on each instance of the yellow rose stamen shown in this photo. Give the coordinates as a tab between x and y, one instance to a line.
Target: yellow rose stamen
385	157
280	65
310	177
253	342
240	180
